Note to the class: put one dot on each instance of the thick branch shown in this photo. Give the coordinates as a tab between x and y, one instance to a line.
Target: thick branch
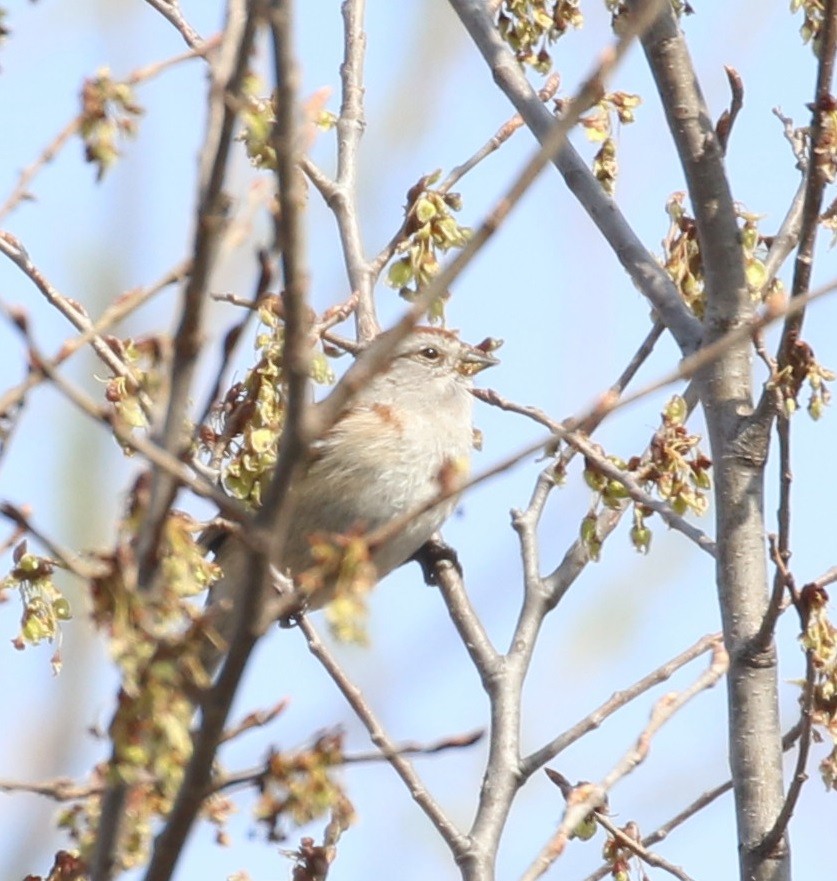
726	392
253	607
640	265
228	71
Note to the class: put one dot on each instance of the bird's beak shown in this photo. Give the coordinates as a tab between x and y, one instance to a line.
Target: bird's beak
474	360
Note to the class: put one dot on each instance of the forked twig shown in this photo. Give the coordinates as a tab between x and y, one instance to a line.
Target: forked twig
593	796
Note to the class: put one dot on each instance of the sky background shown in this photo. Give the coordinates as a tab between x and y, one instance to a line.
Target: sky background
548	284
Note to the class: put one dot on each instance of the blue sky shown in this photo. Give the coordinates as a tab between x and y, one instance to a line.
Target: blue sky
571	319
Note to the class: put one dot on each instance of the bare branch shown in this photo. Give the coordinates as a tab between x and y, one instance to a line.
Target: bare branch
492	145
52	149
652	859
227	75
113	314
640	265
468	625
816	177
787	236
20	191
228	72
170	10
506	130
411	748
739	451
582	445
60	790
179	472
70	309
590	797
456	841
619	699
255	720
229	344
723	128
350	125
702	801
71	561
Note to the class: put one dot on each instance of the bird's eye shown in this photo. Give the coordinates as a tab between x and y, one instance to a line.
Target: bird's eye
430	353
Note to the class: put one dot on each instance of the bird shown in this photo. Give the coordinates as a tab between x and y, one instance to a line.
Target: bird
403	438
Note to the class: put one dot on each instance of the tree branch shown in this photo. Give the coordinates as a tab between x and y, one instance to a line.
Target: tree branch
170	10
227	75
350	126
816	176
615	702
640	265
456	841
739	456
590	797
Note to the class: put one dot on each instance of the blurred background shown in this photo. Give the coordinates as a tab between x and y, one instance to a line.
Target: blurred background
548	284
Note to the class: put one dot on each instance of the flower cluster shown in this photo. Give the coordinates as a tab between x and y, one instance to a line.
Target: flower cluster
819	639
682	259
801	366
44	606
429	229
108	112
250	418
300	786
673	468
531	26
598	124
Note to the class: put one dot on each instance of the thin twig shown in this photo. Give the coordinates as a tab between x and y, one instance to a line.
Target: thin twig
704	800
20	191
782	581
249	776
815	174
593	796
70	309
350	125
691	365
60	790
180	473
253	720
71	561
584	446
457	842
170	10
149	71
230	342
637	848
113	314
505	131
616	701
806	701
250	609
800	775
786	237
723	128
